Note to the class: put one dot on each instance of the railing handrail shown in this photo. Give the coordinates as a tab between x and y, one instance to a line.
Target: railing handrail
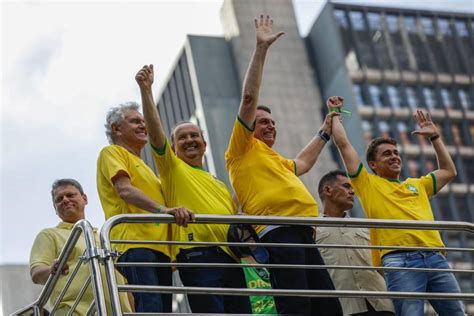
82	226
266	220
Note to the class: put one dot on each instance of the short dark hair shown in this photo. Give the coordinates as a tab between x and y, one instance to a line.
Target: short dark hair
264	108
329	177
181	123
374	144
64	182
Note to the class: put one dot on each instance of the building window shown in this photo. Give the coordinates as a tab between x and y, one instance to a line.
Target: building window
434	44
463	209
444	28
374	21
430	99
461	28
468	164
456	135
403	132
465	99
357	20
445	209
410	24
427	26
394	97
413	168
376	96
446	98
398	42
363	40
384	129
341	18
356	88
368	131
412	98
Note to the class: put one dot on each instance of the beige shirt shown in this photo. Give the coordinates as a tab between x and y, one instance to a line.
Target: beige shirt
344	279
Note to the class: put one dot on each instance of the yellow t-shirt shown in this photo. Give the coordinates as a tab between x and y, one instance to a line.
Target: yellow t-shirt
265	182
391	199
113	159
47	247
197	190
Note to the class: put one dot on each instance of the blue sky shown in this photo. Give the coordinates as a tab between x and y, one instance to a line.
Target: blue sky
63	65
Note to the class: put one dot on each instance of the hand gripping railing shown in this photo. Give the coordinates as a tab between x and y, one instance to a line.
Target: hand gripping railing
278	220
92	254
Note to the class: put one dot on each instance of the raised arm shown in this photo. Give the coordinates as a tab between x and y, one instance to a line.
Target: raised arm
40	273
253	78
308	156
349	154
446	168
145	78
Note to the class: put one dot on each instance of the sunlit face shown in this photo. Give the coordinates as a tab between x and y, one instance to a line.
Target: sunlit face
341	193
189	144
265	128
69	203
387	163
131	130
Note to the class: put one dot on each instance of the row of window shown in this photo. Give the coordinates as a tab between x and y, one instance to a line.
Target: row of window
408	42
399	96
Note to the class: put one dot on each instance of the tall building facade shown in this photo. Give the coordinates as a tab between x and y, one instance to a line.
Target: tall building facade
386	63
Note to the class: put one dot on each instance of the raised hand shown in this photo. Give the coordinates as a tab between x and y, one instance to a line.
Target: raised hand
181	214
427	127
335	102
264	31
145	76
327	124
54	268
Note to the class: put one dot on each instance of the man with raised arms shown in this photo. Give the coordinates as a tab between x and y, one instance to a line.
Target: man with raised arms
384	196
186	183
267	184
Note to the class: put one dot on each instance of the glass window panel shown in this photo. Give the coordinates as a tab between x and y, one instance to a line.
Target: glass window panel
368	130
392	23
446	98
444	28
394	96
374	21
357	20
463	209
456	135
464	98
461	28
412	98
430	99
356	88
376	96
413	168
341	18
384	129
427	24
468	164
410	24
403	132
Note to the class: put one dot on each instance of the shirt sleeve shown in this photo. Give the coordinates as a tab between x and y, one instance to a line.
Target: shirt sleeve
289	164
44	250
165	159
429	183
240	142
112	161
360	180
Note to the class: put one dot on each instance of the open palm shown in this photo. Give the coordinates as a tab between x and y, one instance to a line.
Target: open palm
264	30
427	127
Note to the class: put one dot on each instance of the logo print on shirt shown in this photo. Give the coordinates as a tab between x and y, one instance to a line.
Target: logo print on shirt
190	237
412	188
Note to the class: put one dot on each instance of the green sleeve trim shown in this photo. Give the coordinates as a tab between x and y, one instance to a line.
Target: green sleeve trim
296	169
162	151
357	172
245	125
435	189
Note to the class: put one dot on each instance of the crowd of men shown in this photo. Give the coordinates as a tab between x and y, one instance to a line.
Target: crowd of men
267	184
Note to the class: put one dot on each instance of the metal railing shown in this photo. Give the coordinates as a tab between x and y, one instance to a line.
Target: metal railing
106	254
277	220
92	256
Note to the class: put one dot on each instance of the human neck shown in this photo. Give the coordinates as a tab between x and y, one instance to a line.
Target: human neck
136	150
332	210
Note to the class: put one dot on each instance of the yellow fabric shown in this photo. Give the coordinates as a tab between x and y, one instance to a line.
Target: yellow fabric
113	159
47	247
264	181
390	199
197	190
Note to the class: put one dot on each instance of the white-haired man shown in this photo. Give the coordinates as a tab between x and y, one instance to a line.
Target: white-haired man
126	185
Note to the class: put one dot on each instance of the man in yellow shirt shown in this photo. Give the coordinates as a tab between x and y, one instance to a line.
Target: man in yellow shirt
384	196
267	184
186	183
126	185
69	201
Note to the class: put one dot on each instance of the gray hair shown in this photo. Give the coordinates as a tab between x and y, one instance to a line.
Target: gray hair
64	182
115	116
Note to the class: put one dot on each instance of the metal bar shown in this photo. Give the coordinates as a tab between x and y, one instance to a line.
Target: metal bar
284	266
284	220
66	286
79	296
287	245
81	226
306	293
91	309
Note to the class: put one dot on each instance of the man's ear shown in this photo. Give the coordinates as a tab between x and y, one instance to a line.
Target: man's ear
371	164
327	190
115	128
84	196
